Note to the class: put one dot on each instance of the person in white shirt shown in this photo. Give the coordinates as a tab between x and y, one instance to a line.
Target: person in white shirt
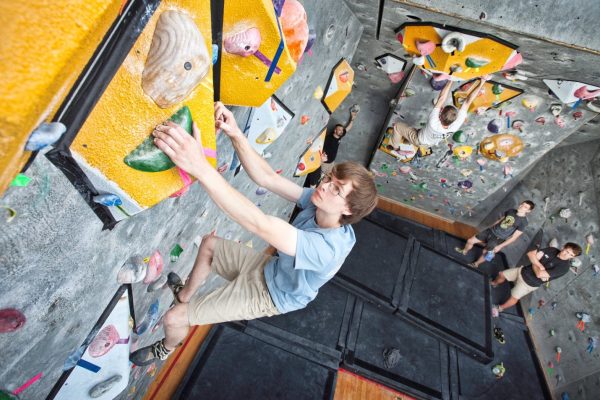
442	121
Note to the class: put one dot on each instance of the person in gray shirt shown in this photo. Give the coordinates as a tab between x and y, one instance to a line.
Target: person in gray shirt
502	233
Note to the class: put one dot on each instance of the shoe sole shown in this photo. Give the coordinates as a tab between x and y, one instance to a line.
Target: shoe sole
173	282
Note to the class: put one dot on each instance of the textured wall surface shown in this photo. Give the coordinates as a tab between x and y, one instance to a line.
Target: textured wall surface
60	266
568	177
424	188
44	49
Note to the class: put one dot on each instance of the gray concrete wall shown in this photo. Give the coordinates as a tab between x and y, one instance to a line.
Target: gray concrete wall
563	21
59	267
564	176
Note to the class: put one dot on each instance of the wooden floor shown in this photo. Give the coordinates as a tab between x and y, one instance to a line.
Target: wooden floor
349	386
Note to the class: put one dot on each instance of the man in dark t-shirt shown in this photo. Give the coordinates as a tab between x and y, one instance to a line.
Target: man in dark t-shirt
546	265
502	233
330	149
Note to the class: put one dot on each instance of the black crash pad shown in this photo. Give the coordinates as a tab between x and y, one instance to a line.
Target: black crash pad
450	300
235	362
322	325
429	289
422	369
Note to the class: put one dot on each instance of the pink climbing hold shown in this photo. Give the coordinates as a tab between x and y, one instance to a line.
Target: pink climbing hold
513	62
104	341
558	120
396	76
399	37
294	24
155	267
243	43
440	77
187	181
11	320
577	115
540	120
426	48
584	94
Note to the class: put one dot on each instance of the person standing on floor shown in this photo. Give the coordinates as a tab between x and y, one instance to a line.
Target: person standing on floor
330	148
546	265
502	233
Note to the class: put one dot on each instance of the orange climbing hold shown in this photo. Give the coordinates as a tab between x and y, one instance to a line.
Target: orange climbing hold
295	28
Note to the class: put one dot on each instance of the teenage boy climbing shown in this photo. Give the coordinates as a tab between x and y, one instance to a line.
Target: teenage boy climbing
309	252
442	121
546	265
502	233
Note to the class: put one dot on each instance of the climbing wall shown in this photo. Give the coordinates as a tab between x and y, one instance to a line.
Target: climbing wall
456	187
552	310
61	267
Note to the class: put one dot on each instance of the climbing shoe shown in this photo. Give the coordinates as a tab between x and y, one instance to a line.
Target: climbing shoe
460	250
147	355
175	284
499	335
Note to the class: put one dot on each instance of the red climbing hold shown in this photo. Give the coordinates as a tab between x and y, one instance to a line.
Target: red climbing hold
11	320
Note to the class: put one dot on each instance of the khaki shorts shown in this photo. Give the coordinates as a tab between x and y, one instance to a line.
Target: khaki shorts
246	296
402	130
520	289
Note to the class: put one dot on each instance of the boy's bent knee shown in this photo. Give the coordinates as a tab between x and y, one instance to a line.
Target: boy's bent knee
177	316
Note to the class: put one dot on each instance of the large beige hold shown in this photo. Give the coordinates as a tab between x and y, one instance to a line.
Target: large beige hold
178	59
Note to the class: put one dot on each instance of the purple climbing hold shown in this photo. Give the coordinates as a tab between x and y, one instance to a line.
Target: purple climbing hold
438	85
466	184
495	125
11	320
278	5
312	37
261	191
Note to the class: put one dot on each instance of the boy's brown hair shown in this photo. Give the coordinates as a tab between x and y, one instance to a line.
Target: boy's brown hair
363	197
448	115
575	248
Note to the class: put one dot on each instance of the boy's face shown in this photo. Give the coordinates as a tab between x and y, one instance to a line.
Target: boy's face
338	131
524	208
330	195
567	253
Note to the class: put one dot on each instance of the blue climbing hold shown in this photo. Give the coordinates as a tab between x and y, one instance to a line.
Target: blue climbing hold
149	320
108	199
215	53
45	135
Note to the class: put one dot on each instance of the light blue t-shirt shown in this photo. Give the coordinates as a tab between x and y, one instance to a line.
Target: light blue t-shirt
293	282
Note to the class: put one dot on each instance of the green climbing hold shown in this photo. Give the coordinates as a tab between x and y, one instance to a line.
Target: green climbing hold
497	89
473	62
176	252
149	158
20	181
459	137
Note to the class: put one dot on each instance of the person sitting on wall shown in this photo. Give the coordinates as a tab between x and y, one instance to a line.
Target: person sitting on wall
502	233
546	265
309	252
440	124
330	148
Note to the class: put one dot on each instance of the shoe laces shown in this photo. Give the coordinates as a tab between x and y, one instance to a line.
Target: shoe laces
160	351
